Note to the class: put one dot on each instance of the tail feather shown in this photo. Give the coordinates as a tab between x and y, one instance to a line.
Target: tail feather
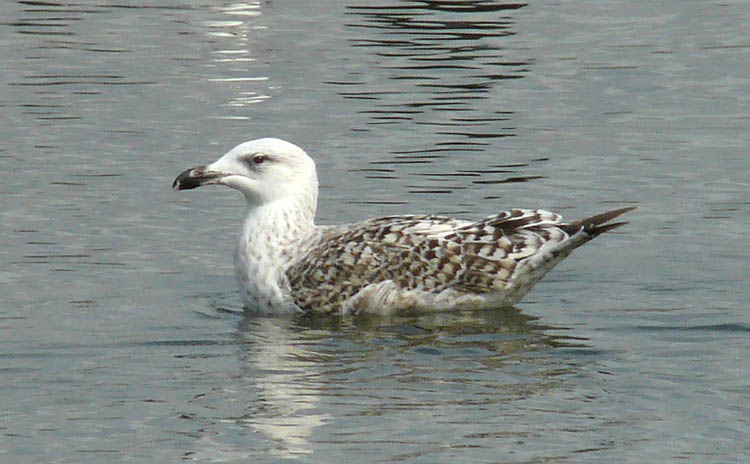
596	225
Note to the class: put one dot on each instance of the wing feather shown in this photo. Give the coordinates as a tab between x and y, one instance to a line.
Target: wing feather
433	253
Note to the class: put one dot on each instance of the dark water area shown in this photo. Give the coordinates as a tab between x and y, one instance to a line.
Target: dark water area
123	338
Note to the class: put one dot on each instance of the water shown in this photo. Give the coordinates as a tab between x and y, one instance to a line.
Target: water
123	338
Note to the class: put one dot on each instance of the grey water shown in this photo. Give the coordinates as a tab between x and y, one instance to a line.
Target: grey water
123	339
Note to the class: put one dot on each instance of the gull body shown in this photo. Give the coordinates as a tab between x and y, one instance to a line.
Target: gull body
285	263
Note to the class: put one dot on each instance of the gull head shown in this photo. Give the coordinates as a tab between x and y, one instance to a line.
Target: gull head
264	170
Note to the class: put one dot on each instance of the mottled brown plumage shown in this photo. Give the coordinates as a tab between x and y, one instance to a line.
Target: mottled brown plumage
434	254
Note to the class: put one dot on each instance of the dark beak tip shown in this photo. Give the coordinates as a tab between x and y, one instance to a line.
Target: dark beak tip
183	181
193	178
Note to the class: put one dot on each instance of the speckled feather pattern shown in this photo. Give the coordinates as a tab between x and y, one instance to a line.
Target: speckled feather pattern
426	256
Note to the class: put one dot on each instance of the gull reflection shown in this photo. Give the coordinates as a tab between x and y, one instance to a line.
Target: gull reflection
288	382
300	378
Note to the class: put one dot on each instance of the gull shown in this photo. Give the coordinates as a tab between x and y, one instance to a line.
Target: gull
284	262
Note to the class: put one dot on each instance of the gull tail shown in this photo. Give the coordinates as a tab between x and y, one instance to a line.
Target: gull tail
596	225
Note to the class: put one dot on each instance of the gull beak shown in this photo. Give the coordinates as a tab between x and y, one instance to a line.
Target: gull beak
196	177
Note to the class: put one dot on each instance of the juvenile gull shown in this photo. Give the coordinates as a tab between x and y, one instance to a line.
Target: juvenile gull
284	262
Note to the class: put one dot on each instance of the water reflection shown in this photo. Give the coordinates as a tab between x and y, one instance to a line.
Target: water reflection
436	65
235	30
285	376
446	56
304	373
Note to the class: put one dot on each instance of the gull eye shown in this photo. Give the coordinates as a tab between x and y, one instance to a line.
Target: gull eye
259	158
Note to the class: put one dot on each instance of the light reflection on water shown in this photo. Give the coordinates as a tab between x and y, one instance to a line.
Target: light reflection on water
293	372
444	60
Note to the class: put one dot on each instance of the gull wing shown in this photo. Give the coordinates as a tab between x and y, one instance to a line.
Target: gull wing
502	255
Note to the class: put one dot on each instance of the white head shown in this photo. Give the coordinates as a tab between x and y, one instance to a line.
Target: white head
264	170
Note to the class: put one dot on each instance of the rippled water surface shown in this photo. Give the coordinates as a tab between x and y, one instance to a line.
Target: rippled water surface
123	337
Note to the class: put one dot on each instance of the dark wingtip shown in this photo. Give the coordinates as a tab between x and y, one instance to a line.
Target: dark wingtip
596	225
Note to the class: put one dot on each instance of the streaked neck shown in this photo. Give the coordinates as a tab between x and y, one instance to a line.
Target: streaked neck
279	223
272	237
